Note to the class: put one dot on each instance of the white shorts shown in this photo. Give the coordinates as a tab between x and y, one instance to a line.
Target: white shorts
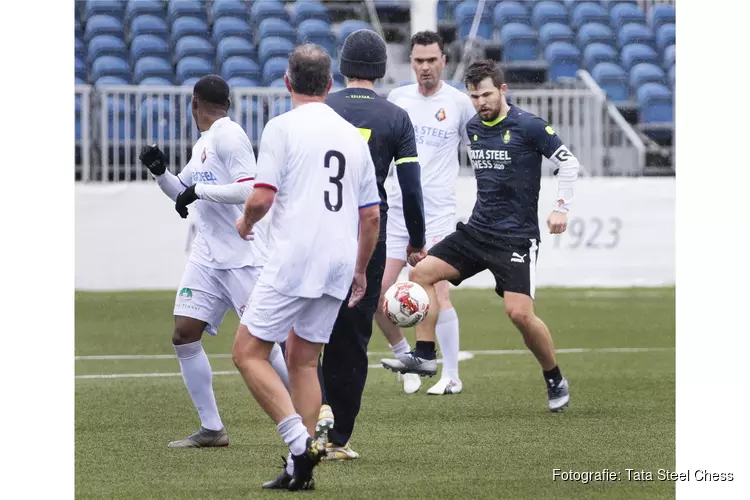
270	315
206	294
397	238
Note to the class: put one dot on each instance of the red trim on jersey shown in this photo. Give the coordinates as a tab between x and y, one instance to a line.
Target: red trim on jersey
245	179
262	185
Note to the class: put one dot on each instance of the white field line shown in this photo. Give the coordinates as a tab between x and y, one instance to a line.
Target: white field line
462	356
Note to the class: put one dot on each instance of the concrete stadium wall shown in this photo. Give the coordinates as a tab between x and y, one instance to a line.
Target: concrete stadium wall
621	234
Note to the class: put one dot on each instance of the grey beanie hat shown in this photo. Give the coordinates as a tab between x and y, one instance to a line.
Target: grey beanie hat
363	56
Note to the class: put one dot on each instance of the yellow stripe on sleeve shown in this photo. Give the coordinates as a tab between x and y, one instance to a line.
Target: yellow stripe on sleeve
407	160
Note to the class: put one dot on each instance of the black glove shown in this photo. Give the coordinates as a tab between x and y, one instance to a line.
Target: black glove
153	159
184	199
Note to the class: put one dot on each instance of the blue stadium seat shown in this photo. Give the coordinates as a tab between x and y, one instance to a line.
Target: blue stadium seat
610	4
185	8
103	25
240	66
230	26
152	66
276	27
303	11
234	46
121	119
106	45
646	73
661	14
274	68
266	9
274	47
137	8
588	12
192	66
112	8
555	32
635	33
547	12
193	46
624	13
148	45
464	15
317	31
665	36
669	57
595	33
671	76
78	29
241	81
655	104
613	80
510	12
80	69
248	116
564	60
188	26
348	27
110	66
80	81
595	53
149	25
190	82
81	48
519	42
155	81
110	80
156	112
635	53
229	8
278	83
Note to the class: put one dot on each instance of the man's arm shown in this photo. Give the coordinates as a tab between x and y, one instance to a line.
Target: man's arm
409	175
547	142
172	185
235	151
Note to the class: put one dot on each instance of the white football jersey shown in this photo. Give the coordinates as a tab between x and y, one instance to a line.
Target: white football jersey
222	155
439	128
322	172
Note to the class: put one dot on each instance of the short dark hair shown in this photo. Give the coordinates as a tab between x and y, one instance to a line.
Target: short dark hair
212	89
480	70
427	38
309	70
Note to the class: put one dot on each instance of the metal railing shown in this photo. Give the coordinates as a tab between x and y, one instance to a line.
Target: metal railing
125	118
624	150
83	130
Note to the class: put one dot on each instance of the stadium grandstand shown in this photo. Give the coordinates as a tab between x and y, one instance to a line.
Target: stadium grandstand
601	72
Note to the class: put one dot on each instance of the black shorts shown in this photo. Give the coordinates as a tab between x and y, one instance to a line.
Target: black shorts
512	261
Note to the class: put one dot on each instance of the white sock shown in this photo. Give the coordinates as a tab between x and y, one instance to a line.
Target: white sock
196	372
447	337
294	433
289	464
278	363
401	348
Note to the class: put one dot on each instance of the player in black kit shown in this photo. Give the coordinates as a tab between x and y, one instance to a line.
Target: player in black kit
502	234
390	135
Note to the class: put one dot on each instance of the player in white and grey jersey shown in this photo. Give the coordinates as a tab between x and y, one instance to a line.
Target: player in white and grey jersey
222	268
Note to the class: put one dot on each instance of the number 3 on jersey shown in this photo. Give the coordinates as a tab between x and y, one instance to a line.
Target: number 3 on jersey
335	180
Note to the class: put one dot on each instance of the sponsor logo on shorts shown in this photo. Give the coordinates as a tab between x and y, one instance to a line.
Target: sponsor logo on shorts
186	293
517	257
243	309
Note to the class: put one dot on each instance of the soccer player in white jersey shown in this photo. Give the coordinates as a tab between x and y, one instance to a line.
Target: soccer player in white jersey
316	170
222	267
439	113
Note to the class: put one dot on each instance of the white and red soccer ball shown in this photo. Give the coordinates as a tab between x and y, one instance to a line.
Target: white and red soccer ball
406	304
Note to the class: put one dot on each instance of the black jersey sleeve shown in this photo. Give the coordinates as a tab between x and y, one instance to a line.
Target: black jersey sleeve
409	176
542	137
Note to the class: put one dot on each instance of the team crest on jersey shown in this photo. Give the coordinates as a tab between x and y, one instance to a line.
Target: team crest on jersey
506	137
440	115
203	155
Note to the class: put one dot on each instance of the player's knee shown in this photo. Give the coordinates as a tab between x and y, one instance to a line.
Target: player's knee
186	333
520	316
421	274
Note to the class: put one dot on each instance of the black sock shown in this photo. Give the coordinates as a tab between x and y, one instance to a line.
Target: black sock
425	350
554	375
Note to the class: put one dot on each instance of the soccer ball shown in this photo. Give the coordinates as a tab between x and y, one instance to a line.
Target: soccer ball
406	304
